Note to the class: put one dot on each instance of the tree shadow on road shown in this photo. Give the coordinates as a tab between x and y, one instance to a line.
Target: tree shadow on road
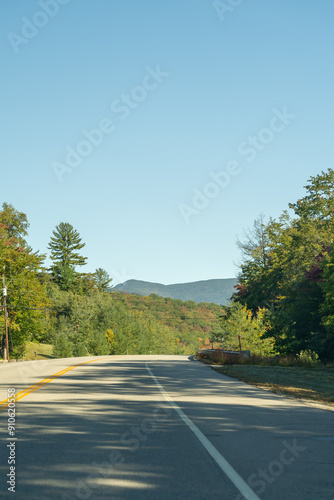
105	430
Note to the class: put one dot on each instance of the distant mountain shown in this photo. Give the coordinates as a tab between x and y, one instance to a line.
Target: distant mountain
218	291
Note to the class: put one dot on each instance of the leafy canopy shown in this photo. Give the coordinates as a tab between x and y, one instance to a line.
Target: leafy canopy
21	268
287	269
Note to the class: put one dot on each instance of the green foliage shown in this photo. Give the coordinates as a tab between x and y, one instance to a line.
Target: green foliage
62	347
15	223
309	357
80	349
188	321
98	344
238	320
284	301
327	307
84	283
65	275
103	279
104	324
286	269
26	294
75	311
118	323
318	205
65	245
111	339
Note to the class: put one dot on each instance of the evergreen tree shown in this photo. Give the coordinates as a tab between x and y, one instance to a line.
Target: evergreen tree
103	279
65	245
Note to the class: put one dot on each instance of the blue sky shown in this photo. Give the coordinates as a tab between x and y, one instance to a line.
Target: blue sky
185	93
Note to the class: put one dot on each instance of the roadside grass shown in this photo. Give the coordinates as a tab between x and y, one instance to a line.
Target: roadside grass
44	351
312	383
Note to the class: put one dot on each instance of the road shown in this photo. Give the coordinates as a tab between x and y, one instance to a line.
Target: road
158	428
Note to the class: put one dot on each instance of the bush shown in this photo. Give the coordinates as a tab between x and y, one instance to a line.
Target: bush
98	345
237	321
17	352
309	357
62	347
305	358
80	350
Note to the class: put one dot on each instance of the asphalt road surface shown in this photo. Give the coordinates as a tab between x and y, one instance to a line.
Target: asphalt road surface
157	427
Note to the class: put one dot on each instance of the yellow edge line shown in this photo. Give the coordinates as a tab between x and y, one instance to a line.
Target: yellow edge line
32	388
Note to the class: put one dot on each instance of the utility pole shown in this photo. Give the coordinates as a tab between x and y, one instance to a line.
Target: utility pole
4	292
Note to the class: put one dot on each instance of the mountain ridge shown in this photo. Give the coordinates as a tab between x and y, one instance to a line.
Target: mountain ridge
218	291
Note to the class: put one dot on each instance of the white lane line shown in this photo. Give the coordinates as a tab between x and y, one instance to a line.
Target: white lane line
238	482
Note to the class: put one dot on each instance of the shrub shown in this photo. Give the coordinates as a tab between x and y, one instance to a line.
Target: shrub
98	345
17	352
62	347
309	357
80	349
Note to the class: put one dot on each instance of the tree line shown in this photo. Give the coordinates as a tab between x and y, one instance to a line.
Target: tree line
283	303
285	288
76	311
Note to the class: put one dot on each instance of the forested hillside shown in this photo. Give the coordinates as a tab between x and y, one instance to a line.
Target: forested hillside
283	303
99	322
76	312
218	291
192	324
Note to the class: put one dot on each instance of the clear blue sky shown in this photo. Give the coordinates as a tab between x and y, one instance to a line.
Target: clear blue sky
181	91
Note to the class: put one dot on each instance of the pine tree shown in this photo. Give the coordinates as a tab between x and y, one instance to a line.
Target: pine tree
65	245
103	279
